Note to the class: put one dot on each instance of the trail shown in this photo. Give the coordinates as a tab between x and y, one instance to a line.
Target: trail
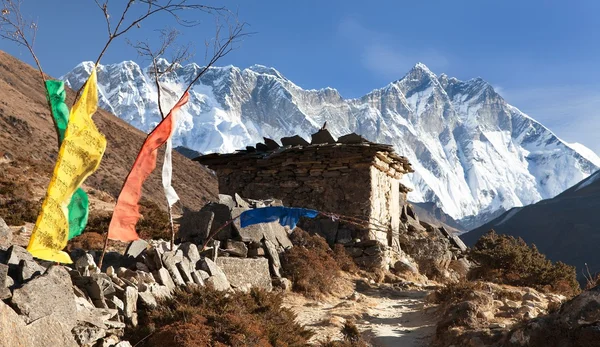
386	315
399	319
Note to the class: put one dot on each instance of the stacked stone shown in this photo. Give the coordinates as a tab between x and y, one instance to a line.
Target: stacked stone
438	253
254	249
336	171
83	305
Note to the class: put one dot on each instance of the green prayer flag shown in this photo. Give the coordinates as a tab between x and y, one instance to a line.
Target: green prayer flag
78	207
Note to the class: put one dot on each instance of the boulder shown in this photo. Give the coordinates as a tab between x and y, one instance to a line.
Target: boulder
273	256
218	282
17	253
236	248
170	260
136	248
88	334
130	299
222	215
454	239
51	293
163	277
241	202
185	269
190	251
5	235
241	272
147	300
29	269
197	278
252	233
227	200
4	282
48	331
256	252
195	225
270	143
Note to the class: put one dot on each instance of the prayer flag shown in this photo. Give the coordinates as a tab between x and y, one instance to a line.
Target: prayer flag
79	156
79	205
286	215
126	213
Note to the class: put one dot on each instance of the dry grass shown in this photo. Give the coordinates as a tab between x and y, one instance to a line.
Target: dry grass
204	317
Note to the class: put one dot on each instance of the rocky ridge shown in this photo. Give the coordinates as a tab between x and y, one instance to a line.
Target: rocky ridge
473	153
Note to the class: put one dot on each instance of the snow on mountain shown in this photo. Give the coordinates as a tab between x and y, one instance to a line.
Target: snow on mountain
472	152
585	152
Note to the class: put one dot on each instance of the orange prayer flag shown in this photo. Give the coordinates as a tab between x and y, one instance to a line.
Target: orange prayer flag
126	213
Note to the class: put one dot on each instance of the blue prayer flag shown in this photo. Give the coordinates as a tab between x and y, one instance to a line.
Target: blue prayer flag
286	215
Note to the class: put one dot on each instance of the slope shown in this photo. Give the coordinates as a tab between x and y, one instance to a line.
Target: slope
564	228
474	154
28	142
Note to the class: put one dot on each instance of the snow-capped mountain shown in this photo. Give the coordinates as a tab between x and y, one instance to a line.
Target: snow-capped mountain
472	152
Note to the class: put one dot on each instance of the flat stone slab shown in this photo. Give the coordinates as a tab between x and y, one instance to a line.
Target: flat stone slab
243	271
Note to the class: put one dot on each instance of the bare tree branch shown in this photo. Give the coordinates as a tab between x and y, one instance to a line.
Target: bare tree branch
15	28
179	55
171	7
221	46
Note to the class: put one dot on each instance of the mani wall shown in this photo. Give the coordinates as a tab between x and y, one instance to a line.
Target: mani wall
349	176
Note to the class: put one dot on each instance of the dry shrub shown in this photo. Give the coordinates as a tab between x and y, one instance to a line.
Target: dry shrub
352	337
310	265
154	223
505	259
205	317
19	211
17	206
453	293
343	259
88	241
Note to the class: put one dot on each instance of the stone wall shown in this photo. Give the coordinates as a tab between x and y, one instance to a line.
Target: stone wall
353	179
385	207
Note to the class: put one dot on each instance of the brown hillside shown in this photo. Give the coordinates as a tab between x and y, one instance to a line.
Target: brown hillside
28	140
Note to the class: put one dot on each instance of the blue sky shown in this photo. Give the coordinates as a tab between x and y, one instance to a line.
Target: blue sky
542	56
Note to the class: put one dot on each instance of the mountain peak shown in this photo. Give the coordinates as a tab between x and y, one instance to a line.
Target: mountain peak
452	131
265	70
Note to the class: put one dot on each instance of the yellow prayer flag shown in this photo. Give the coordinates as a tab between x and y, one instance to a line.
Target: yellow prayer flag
79	156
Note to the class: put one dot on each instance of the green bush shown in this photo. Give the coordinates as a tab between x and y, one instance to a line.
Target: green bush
508	260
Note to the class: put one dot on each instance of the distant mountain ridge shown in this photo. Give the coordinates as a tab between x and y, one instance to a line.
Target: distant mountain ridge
564	228
473	153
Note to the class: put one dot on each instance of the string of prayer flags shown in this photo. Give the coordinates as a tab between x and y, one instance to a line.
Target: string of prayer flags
126	213
79	156
79	205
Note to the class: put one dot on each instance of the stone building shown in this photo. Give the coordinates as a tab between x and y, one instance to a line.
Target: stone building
349	176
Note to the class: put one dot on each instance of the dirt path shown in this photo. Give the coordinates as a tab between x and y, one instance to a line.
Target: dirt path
399	319
387	315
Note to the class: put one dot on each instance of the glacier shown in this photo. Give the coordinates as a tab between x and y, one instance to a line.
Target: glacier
473	153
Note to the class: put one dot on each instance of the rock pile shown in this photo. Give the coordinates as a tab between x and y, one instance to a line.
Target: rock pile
482	314
82	305
439	254
577	323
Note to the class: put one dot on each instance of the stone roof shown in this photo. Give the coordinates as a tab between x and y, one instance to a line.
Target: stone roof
321	141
